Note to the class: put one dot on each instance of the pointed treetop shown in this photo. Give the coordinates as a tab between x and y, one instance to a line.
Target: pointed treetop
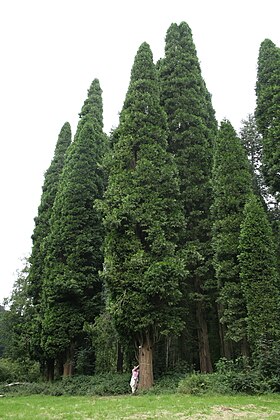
63	138
179	37
143	81
266	44
231	159
93	106
142	111
143	66
226	126
268	62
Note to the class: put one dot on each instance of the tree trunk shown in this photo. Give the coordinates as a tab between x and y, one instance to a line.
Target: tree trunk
167	351
226	345
68	366
203	341
244	348
146	380
202	331
59	367
50	370
119	358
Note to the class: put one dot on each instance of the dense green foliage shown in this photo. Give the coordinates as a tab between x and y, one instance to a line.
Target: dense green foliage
232	182
268	111
142	215
259	277
159	245
192	127
32	313
72	285
42	221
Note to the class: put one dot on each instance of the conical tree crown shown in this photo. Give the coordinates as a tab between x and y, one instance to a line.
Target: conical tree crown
191	124
74	244
260	281
267	112
179	41
142	213
232	183
183	91
268	85
93	106
42	221
143	68
75	219
192	127
142	112
232	177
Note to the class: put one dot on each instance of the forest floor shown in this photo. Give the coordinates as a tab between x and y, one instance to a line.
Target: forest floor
140	407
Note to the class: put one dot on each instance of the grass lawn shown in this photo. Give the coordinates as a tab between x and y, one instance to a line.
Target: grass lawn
141	407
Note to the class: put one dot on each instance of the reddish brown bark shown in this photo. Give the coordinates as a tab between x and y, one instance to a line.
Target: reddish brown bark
68	366
146	379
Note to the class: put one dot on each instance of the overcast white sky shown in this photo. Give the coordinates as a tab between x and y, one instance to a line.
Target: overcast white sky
50	52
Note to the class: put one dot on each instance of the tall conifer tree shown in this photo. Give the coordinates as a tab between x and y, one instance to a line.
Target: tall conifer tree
142	219
259	277
232	182
42	221
41	231
192	128
268	112
72	285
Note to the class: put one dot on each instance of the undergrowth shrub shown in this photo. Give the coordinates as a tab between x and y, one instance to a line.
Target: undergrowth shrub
231	377
105	384
195	384
238	376
167	383
11	370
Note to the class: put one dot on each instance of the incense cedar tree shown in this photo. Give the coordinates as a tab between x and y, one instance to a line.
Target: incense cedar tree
192	127
42	221
267	112
142	217
35	278
74	257
232	182
259	277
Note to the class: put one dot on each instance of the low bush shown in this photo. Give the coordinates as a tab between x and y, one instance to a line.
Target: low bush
239	377
167	383
11	371
106	384
231	377
196	384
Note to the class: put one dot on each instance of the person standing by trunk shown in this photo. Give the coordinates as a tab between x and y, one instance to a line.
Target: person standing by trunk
134	379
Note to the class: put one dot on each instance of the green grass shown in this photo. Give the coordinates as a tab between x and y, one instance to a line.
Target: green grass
140	407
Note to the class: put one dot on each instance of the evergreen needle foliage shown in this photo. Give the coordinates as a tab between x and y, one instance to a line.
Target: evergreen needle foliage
142	214
259	277
151	246
268	112
74	257
232	182
35	280
192	127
